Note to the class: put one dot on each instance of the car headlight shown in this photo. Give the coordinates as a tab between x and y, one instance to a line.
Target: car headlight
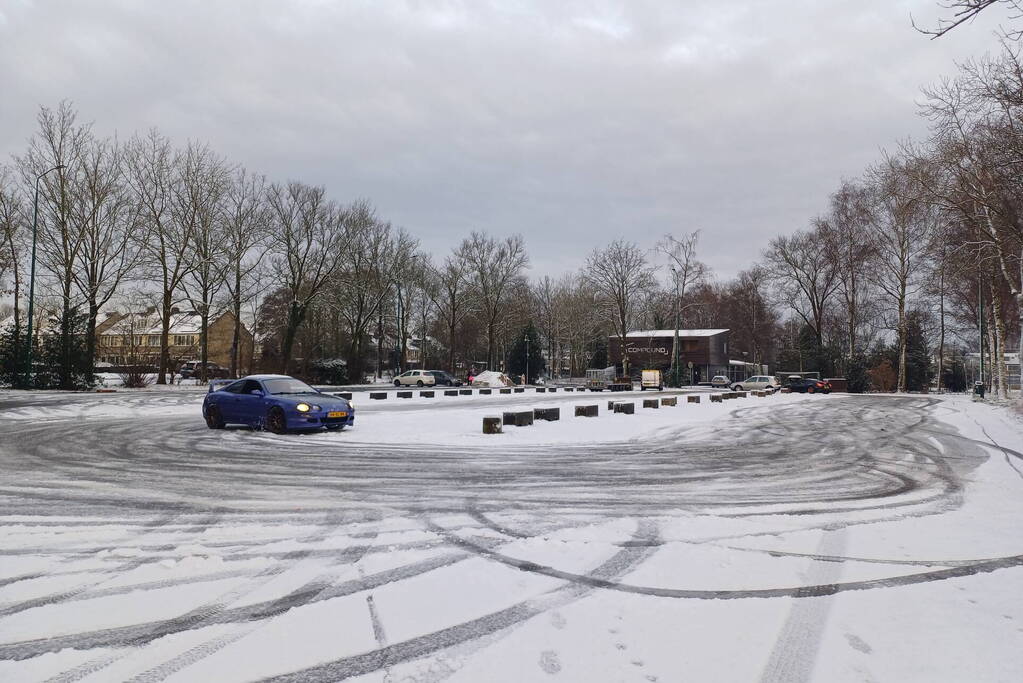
303	407
351	405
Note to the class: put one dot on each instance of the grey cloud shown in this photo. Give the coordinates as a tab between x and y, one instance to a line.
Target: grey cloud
572	123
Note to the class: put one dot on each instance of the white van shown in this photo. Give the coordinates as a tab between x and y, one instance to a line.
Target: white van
652	379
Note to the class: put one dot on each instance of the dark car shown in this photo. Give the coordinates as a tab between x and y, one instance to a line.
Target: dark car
445	379
808	385
277	403
193	368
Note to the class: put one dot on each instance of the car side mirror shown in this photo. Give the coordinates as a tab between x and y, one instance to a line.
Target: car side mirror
256	392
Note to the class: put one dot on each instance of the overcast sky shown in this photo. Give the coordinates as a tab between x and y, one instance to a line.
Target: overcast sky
570	123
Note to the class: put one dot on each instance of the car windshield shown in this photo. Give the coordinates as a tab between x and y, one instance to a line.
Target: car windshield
288	385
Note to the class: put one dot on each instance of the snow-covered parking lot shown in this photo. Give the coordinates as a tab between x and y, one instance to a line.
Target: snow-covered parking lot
789	538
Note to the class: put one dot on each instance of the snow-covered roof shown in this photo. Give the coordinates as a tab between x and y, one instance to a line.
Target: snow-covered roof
671	333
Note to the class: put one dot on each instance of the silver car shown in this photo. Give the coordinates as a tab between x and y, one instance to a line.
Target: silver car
418	378
757	383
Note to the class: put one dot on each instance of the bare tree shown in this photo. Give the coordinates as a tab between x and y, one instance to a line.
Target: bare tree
52	163
964	11
373	259
204	186
308	234
244	245
108	216
619	274
901	224
806	276
158	175
452	299
12	226
493	266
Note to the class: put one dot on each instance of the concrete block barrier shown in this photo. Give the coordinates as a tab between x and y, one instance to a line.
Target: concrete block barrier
651	403
504	391
485	392
426	394
465	392
378	395
522	418
569	388
541	390
492	425
611	405
548	414
586	411
740	394
626	408
716	398
692	399
551	390
518	390
669	401
451	392
785	390
346	395
404	394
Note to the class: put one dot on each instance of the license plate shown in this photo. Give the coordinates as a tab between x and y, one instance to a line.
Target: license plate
337	413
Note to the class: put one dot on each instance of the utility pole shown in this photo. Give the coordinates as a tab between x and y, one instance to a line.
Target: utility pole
527	355
32	277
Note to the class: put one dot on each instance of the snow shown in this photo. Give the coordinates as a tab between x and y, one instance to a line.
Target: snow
339	555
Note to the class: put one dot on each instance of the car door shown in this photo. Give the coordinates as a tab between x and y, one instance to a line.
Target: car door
250	407
227	400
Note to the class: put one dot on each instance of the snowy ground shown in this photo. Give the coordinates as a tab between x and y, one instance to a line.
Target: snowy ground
790	538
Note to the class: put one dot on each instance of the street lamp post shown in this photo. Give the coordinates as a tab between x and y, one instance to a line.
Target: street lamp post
32	275
678	303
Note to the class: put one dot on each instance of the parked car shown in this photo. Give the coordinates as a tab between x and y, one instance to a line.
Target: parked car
720	381
277	403
442	378
809	385
419	378
757	383
193	368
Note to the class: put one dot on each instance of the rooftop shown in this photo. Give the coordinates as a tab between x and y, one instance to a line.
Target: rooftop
671	333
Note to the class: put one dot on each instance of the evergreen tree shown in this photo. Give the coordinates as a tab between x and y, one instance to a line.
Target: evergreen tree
857	374
919	372
527	341
63	360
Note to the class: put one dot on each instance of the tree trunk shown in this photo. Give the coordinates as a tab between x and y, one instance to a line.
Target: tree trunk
90	334
236	332
901	388
999	330
380	342
204	342
161	377
295	315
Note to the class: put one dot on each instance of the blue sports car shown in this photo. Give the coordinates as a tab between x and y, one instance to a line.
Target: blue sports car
277	403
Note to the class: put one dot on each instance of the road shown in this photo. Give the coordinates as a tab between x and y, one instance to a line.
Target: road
153	549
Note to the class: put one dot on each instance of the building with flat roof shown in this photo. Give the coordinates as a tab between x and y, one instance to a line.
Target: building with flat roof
704	353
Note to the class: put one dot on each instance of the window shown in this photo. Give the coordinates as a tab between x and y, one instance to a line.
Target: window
237	387
250	385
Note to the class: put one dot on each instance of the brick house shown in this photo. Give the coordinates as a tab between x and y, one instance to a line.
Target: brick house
133	338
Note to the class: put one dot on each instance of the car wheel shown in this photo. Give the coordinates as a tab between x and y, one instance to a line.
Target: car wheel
275	421
738	387
214	420
419	384
809	390
397	383
336	428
